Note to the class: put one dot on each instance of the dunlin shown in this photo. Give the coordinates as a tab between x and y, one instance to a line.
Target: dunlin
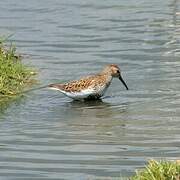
90	87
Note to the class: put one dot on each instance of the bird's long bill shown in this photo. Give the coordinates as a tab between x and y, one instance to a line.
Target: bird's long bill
121	79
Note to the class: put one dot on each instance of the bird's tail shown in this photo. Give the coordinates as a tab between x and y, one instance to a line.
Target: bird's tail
57	87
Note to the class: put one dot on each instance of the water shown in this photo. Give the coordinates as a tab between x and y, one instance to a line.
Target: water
47	136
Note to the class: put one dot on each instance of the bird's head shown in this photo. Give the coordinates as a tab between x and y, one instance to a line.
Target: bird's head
114	71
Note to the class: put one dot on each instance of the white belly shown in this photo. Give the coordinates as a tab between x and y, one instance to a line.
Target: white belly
85	94
79	95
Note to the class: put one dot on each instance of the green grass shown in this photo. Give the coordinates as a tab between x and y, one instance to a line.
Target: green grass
159	170
14	75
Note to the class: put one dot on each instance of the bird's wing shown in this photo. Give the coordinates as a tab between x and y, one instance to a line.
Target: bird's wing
73	86
90	82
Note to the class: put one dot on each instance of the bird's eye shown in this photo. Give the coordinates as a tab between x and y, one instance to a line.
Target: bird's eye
118	71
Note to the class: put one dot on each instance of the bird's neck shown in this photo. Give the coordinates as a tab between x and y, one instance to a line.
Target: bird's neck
106	76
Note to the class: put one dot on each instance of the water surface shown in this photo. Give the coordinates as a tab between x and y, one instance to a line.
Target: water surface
45	135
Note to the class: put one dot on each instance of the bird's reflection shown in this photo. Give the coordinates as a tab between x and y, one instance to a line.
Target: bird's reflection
97	114
88	104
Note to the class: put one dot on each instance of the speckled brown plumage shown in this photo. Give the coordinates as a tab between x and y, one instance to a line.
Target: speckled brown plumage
97	84
84	83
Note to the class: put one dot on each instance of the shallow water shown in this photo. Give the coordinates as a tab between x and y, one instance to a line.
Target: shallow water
45	135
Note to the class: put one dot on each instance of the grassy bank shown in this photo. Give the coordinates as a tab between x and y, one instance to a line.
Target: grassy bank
159	170
14	75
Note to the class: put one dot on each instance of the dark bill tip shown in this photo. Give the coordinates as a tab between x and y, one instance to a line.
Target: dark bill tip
121	79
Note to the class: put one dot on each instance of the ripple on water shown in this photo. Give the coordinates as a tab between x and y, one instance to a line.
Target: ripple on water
46	135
